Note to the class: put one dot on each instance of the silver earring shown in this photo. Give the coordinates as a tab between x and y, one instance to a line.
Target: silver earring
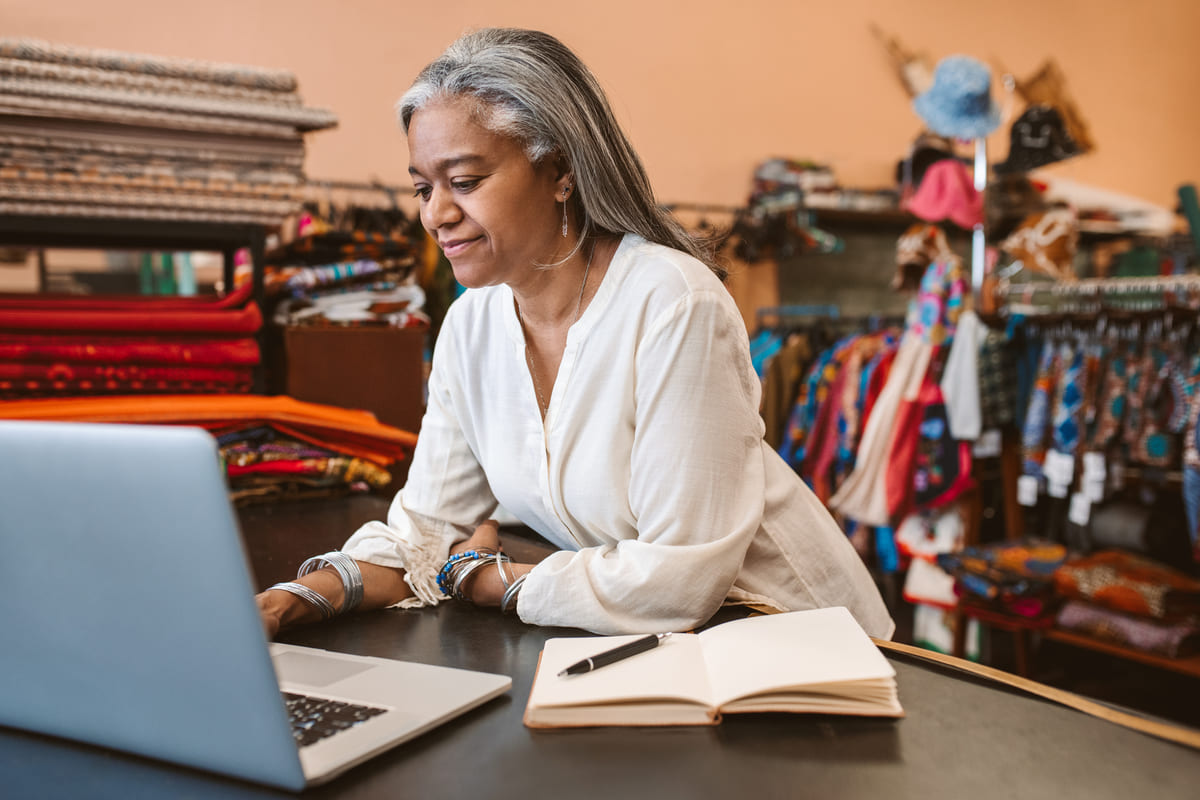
566	194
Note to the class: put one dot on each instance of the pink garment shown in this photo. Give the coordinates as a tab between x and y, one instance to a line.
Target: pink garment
948	192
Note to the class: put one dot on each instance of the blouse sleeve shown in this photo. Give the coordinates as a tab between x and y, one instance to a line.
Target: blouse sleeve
697	486
445	497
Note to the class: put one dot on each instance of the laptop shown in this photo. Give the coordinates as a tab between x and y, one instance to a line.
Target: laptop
130	621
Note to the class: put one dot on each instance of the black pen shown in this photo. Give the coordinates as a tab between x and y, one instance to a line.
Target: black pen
616	654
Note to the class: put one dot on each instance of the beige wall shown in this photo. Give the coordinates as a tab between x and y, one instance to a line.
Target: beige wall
706	90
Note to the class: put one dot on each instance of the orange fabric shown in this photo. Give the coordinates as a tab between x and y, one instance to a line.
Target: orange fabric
353	431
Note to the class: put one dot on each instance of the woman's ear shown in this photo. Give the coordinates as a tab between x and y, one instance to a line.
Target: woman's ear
564	179
565	186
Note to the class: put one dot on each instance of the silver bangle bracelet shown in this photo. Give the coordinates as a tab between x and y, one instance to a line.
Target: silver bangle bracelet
510	594
347	569
501	560
460	575
306	594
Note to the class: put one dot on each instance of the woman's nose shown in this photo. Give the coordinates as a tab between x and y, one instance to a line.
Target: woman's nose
441	210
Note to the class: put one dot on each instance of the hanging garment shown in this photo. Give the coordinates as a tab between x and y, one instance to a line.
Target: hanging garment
781	383
1191	456
818	463
1157	444
930	322
1037	417
863	496
960	379
1069	396
1111	406
801	420
997	381
1140	377
933	314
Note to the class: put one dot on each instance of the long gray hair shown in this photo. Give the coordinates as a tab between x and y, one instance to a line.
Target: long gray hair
532	87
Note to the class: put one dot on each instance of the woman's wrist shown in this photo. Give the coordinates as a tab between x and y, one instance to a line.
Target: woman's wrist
292	608
487	586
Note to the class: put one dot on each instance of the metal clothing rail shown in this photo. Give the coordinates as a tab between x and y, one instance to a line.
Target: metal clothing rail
1097	295
1095	287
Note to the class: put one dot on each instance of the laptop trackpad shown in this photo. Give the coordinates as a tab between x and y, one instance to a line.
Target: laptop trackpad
315	669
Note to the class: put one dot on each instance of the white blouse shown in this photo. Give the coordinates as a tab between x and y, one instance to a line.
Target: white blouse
650	471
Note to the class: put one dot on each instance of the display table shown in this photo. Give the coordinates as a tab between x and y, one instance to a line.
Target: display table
962	737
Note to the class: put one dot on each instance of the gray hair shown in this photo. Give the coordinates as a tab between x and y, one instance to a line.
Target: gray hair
531	87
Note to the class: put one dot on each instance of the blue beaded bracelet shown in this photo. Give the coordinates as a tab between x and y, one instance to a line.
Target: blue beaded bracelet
443	578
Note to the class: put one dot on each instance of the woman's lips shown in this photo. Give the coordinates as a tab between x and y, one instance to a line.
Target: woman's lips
457	246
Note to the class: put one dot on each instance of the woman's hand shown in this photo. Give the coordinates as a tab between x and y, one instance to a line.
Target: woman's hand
271	608
485	537
485	587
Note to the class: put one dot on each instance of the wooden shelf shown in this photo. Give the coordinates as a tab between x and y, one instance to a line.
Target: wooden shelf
1187	665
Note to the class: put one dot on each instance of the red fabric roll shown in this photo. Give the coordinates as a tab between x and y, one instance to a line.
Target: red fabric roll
124	350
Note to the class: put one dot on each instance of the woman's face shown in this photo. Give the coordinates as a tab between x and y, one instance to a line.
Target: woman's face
494	214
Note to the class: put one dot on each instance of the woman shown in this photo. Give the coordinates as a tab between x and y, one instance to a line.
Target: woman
595	382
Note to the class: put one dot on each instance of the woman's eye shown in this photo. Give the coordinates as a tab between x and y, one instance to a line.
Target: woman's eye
422	192
464	184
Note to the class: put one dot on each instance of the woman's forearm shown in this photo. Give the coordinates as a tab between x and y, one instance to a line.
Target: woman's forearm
382	587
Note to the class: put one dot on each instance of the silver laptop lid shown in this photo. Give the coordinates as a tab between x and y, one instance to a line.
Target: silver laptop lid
129	619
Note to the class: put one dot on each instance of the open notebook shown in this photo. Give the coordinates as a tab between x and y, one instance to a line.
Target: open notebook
130	619
813	662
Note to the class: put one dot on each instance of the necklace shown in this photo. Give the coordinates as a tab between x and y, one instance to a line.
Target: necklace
543	406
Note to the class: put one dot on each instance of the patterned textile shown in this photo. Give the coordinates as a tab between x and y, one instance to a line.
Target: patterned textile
104	134
60	345
1170	640
997	381
1037	417
336	246
803	416
74	348
1014	578
1156	443
1110	411
1130	583
1069	400
818	462
224	74
261	452
90	76
1139	379
295	117
942	465
16	379
933	313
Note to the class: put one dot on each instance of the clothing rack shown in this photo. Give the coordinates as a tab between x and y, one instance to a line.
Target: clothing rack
824	311
1090	294
1093	287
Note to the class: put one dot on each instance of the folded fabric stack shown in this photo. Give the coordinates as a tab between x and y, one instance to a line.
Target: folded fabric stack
1010	578
100	133
60	345
355	276
1132	601
273	447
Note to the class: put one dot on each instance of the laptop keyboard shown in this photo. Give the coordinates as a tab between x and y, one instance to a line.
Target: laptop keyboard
316	718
